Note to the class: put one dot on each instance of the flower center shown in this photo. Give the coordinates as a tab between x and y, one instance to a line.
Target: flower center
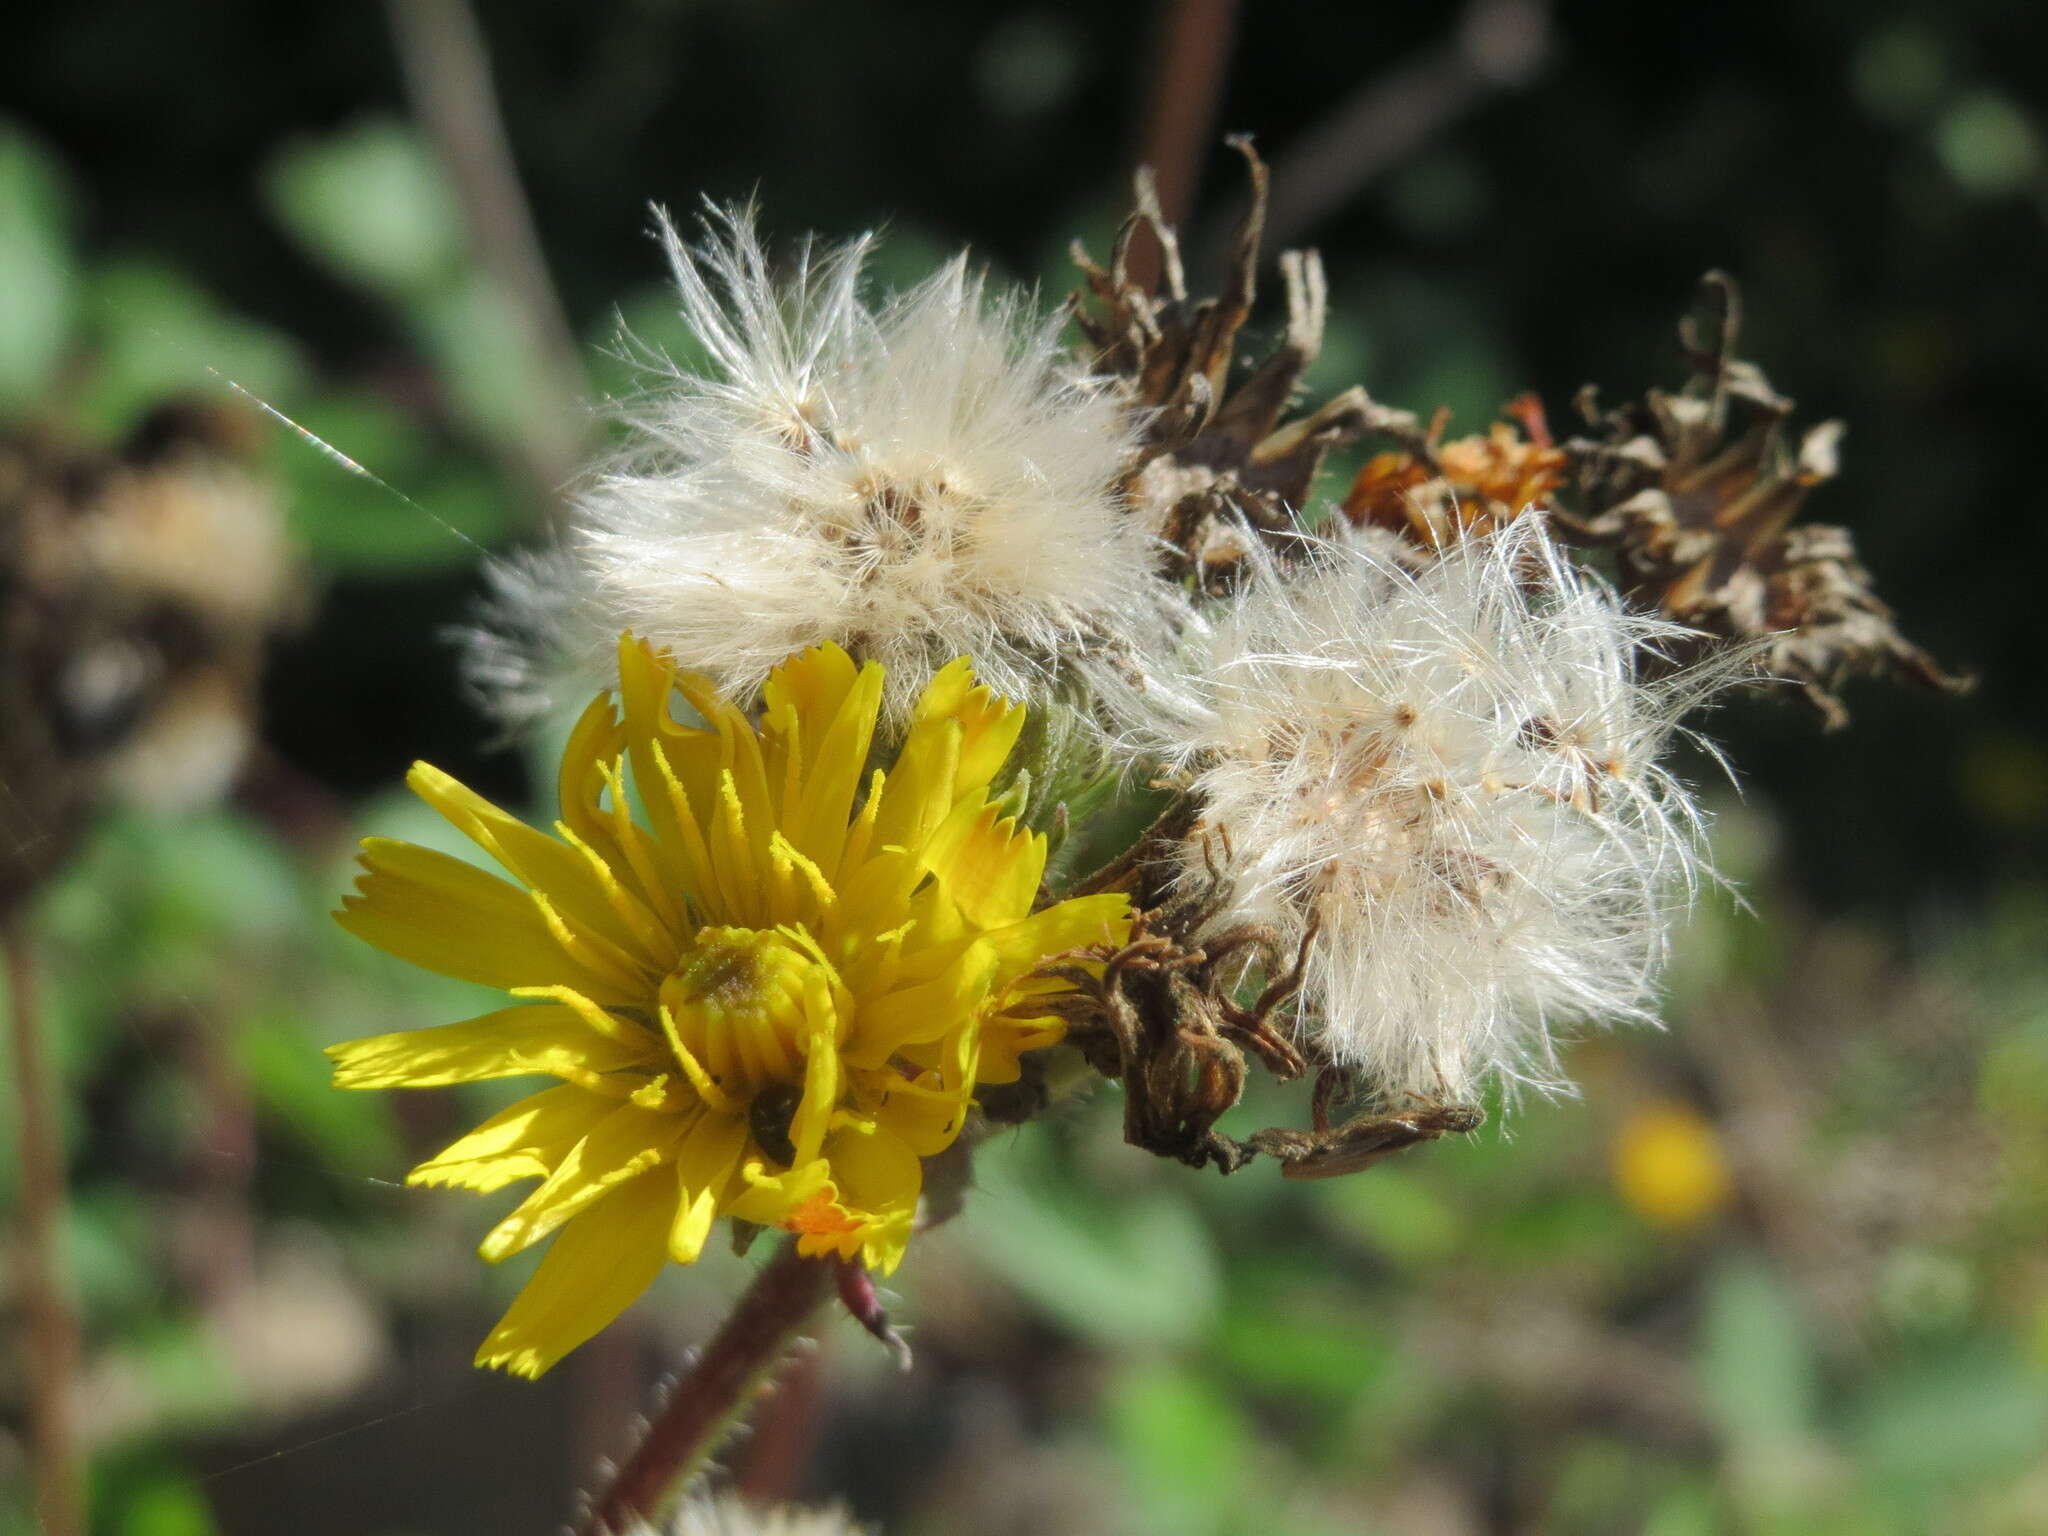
738	1003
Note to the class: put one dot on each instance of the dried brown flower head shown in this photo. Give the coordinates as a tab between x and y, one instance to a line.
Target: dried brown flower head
1696	492
137	589
1161	1012
1214	460
1430	491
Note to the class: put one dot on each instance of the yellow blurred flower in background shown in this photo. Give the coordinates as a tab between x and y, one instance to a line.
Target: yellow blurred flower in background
1669	1167
770	1001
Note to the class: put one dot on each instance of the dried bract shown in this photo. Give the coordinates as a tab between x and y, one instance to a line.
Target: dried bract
1216	466
1696	494
1161	1013
1331	1150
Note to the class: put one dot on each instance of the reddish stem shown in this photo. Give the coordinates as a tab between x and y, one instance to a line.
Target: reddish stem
48	1320
715	1390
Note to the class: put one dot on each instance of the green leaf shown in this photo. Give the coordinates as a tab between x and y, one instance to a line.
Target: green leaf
371	204
1756	1367
1184	1444
167	1505
480	352
1137	1273
402	512
1397	1212
1989	144
1283	1343
1685	1511
1953	1420
108	1246
351	1132
157	333
37	287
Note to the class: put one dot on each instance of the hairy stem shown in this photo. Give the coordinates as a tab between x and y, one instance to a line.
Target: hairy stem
751	1343
51	1328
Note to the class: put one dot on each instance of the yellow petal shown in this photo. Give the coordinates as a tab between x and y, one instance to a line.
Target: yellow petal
924	1011
599	1020
591	769
918	792
821	1071
637	849
742	769
878	1178
582	890
445	915
798	701
645	683
523	1141
764	1195
595	741
540	1038
688	851
1003	1041
876	894
989	866
650	934
596	1269
860	836
802	894
707	1162
1066	925
875	1172
989	724
928	1112
627	1142
732	857
820	723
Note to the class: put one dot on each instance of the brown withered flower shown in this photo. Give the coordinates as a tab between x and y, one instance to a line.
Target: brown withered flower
1160	1011
1216	461
137	589
1430	491
1695	493
1171	1013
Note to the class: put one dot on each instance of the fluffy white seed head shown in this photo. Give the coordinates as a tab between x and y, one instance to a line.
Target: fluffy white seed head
728	1515
1453	774
917	479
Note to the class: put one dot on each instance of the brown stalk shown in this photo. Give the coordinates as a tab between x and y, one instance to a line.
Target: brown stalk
447	71
1180	112
48	1320
1495	45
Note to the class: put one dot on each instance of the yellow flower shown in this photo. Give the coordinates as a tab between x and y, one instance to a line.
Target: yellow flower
1669	1166
768	1001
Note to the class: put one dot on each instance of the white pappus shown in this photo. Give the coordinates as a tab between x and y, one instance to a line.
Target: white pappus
918	478
1452	772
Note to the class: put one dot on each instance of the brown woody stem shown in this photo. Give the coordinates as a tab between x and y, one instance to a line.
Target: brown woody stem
748	1346
48	1321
